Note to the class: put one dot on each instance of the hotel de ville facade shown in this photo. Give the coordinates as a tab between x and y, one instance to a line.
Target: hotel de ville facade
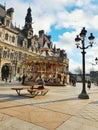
23	52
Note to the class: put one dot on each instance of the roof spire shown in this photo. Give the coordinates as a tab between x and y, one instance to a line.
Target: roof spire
28	18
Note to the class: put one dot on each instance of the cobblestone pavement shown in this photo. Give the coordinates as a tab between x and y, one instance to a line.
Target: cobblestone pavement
60	109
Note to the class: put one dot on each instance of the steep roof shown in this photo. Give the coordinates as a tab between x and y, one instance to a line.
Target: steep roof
2	11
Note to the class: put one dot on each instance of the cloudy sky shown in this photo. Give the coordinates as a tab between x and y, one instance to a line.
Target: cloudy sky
63	20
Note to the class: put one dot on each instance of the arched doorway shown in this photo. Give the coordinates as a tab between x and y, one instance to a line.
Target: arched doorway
5	72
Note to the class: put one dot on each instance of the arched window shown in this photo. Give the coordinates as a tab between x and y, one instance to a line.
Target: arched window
10	38
13	39
5	52
12	54
6	36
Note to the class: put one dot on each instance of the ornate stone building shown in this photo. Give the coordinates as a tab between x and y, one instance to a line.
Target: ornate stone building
23	52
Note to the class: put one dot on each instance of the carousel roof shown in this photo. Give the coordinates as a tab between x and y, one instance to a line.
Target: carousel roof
42	59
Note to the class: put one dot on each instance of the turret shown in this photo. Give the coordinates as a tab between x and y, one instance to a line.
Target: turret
28	19
28	30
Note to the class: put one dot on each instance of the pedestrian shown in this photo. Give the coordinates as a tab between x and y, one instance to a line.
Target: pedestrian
89	84
23	78
19	78
42	83
74	82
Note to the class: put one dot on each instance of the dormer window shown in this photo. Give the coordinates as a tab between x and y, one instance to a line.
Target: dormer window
25	43
7	23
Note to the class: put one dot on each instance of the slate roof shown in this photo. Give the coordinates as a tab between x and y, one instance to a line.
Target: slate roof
2	11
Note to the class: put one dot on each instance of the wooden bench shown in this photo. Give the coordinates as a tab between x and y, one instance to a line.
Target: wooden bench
36	91
33	91
19	88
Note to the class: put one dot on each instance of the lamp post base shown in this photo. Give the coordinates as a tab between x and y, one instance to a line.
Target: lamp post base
83	95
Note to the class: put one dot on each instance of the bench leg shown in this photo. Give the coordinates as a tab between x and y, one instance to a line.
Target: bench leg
36	93
18	92
44	93
33	93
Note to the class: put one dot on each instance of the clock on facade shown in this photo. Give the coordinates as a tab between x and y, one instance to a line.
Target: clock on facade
30	34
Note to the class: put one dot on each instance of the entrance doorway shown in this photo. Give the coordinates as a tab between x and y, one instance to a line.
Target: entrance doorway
5	72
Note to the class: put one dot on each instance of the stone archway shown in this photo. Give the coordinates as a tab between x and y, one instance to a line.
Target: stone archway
5	72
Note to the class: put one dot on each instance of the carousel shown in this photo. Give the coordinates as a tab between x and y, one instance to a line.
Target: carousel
50	68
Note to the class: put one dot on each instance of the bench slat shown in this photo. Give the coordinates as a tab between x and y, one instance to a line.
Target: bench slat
18	89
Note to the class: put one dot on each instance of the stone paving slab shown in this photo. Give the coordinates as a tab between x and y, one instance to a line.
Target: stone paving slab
39	116
60	109
81	121
48	119
75	125
12	123
89	112
70	107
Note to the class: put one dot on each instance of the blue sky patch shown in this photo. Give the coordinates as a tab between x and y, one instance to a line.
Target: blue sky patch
55	33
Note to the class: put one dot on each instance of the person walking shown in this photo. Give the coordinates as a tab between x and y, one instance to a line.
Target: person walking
89	84
23	78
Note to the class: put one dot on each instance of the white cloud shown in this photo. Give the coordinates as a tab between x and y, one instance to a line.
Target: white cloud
46	13
66	41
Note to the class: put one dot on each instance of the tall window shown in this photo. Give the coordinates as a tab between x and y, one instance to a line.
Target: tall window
0	33
24	43
6	36
13	39
12	54
7	23
5	52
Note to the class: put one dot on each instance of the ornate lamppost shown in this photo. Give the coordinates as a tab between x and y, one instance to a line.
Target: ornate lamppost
78	39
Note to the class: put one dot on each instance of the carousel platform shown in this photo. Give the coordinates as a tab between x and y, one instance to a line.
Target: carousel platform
31	83
54	84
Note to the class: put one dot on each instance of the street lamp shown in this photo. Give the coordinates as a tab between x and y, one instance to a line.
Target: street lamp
78	39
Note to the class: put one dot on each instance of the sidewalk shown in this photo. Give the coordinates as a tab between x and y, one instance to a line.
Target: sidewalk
60	109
